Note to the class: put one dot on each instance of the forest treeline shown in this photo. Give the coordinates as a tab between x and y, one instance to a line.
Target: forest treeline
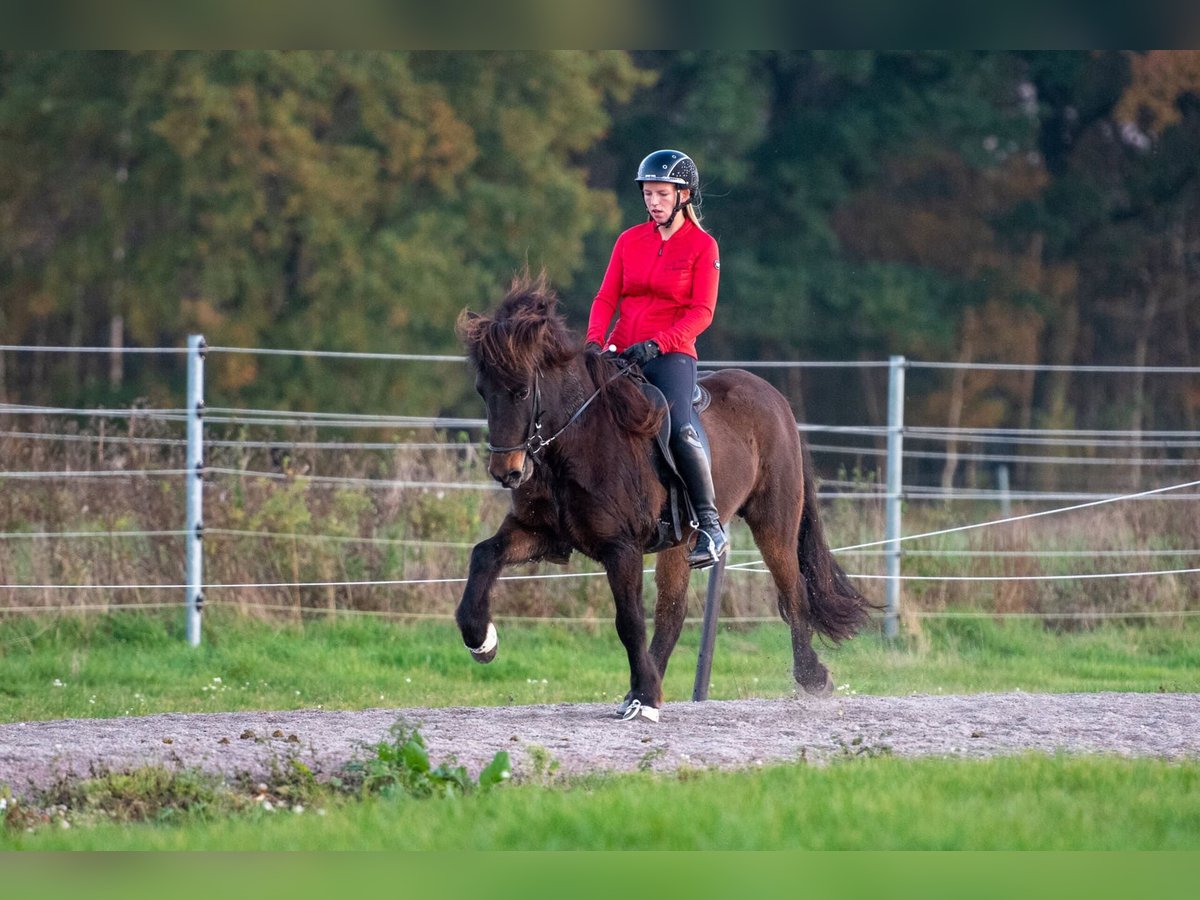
988	206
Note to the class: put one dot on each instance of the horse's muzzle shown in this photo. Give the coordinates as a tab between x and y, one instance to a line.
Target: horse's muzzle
511	469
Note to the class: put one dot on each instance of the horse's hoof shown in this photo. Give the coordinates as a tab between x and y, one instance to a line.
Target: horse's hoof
824	689
635	709
486	651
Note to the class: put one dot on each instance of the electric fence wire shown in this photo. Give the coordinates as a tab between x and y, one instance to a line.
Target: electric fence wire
591	621
745	364
1022	517
421	543
66	475
280	444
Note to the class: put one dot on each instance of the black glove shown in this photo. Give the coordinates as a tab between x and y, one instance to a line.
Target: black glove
641	352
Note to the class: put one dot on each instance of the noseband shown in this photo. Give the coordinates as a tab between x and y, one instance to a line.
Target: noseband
534	443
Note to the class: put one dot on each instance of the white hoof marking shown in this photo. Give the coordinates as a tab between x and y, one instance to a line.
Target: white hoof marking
636	708
490	641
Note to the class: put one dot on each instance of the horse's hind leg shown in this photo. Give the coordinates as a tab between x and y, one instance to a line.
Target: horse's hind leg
775	532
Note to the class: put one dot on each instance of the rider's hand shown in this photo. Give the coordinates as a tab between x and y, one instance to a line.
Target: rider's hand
593	347
641	352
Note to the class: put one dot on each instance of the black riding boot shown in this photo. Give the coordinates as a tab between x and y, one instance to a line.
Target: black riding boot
691	458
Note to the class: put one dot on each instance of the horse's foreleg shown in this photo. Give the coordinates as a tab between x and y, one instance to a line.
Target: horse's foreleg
671	576
511	545
670	609
624	568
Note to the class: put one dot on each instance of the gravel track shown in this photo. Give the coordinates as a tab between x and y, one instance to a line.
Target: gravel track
586	738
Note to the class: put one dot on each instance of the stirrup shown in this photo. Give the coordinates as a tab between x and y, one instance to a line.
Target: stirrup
707	551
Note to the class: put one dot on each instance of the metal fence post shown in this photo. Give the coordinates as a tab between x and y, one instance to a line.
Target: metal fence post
194	479
1003	487
895	472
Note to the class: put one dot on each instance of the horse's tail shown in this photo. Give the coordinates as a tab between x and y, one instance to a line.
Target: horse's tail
837	610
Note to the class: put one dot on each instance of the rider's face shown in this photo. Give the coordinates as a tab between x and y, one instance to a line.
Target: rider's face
659	197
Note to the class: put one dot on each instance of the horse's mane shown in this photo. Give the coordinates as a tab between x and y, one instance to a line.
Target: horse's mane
526	334
523	336
624	400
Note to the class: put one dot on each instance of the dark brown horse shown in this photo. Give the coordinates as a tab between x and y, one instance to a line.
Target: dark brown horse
571	436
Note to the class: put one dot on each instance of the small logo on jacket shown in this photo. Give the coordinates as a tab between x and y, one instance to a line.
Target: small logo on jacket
716	264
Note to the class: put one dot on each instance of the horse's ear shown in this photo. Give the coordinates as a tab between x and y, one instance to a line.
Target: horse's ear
466	324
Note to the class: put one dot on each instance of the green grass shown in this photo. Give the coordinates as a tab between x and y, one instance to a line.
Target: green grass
1021	803
131	664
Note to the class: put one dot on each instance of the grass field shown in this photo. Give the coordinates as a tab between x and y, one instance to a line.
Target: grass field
134	664
1025	803
130	664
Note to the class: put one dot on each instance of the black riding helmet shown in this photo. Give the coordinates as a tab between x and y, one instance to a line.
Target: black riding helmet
673	167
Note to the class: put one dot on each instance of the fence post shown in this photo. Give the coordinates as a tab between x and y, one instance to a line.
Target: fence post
1005	493
194	479
895	472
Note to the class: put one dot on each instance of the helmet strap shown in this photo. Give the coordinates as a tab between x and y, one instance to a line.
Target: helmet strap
679	204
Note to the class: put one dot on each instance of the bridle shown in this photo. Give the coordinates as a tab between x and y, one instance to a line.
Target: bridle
534	443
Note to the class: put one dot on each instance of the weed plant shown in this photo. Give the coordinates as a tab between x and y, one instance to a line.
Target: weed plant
162	795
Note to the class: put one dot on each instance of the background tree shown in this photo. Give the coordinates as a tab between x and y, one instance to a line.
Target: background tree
851	193
979	206
351	201
1120	213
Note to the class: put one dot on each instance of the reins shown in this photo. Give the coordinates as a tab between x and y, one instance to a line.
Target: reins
534	443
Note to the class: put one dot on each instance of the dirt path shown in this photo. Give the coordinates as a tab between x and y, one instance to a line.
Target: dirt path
587	738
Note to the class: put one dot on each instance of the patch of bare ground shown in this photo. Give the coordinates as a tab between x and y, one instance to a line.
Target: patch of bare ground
588	738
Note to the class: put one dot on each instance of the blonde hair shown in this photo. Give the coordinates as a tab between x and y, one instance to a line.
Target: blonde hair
694	214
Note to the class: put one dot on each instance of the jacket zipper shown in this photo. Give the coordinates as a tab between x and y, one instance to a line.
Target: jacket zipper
634	323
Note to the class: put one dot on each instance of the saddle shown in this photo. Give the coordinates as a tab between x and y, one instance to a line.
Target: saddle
677	511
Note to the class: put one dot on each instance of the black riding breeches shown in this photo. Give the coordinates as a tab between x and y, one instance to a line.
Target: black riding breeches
675	375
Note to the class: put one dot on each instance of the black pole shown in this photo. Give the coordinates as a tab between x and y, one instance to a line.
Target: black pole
708	633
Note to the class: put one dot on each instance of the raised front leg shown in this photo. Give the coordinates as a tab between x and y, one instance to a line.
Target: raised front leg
511	545
624	568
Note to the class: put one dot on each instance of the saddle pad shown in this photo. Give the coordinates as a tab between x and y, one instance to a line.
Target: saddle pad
702	397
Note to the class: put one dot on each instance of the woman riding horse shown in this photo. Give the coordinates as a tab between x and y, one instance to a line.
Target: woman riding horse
661	283
573	439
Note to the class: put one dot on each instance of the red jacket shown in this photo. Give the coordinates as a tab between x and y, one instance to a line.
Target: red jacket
661	290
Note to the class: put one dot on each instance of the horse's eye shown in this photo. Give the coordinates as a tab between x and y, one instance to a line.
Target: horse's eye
521	393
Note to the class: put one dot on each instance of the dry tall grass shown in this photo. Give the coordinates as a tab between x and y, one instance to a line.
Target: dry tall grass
270	520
